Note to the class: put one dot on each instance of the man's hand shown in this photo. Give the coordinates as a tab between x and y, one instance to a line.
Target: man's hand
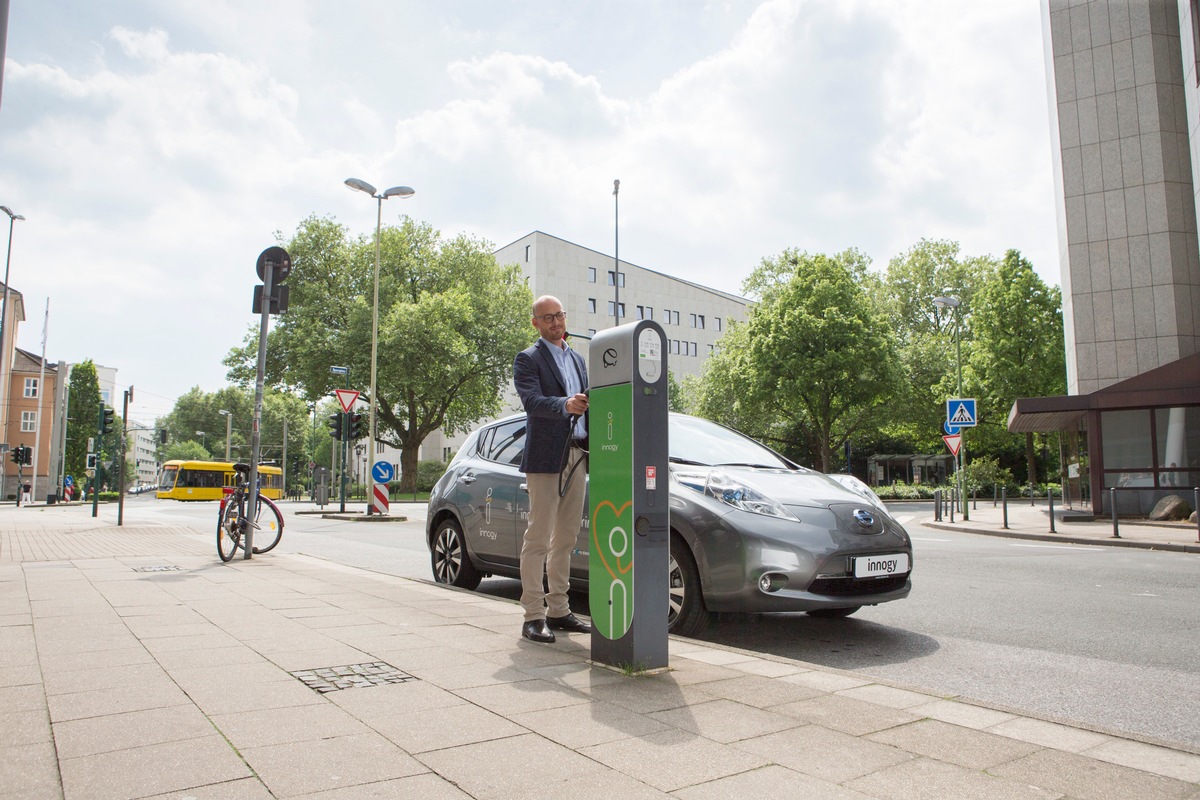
577	404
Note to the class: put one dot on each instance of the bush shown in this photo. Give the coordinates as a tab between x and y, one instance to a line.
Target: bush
428	473
985	473
903	491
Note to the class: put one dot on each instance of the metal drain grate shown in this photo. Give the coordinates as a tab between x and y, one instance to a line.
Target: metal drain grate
161	568
351	676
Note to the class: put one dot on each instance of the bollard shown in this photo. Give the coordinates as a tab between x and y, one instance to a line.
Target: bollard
974	500
1112	502
953	502
1031	493
1004	505
937	505
1196	508
994	493
1050	495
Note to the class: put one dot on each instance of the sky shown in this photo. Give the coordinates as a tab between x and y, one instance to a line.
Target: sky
156	147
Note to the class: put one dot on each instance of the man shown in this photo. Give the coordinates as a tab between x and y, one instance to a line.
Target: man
551	380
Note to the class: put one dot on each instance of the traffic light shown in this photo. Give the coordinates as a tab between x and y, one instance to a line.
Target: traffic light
17	456
106	420
335	427
357	429
162	436
27	455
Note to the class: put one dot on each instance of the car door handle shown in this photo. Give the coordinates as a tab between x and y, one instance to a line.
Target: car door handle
525	488
468	478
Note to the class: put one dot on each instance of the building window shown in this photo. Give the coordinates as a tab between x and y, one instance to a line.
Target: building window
622	278
641	312
666	316
591	331
717	323
649	312
104	396
610	309
31	387
691	348
527	253
710	349
674	347
28	421
379	449
693	319
591	305
700	318
675	317
591	274
447	454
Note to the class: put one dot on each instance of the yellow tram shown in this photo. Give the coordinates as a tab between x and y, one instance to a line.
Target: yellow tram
206	480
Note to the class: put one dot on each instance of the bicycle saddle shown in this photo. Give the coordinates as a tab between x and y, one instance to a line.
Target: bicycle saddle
241	469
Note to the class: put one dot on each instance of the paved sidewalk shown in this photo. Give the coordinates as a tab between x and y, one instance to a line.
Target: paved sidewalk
164	673
1033	522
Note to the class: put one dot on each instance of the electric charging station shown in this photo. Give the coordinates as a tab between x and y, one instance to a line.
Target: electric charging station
629	497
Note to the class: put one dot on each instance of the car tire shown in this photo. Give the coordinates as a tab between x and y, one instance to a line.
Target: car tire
833	613
449	558
686	613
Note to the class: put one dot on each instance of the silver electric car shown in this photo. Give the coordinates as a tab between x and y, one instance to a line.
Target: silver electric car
750	530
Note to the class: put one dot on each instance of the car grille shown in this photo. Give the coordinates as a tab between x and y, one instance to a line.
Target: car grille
853	587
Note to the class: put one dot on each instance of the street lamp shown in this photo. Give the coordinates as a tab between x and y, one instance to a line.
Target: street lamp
948	301
201	434
12	219
228	429
396	191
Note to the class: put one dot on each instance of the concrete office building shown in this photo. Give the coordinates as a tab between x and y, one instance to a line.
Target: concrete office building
1125	118
693	317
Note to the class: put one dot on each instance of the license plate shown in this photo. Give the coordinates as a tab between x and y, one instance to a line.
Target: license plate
877	566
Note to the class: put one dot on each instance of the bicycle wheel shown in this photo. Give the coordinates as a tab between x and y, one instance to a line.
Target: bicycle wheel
270	525
229	532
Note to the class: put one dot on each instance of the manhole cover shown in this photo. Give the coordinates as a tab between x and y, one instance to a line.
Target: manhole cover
160	568
351	676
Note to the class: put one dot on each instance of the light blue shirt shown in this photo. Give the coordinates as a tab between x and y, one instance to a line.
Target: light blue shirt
572	379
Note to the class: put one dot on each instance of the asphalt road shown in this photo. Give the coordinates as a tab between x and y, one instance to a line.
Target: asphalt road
1098	636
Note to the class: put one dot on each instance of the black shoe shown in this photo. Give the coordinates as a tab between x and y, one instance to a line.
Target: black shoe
569	623
536	631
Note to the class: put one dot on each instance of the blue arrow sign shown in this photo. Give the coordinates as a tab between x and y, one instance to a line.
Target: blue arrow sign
950	429
960	412
382	472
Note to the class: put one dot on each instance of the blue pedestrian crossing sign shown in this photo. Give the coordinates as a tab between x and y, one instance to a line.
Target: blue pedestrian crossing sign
960	412
382	472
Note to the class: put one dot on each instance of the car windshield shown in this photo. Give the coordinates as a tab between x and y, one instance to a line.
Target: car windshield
703	443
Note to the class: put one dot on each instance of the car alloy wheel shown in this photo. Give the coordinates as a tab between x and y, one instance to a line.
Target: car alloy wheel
451	563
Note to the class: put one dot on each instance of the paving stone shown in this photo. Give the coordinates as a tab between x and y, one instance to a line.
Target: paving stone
768	669
598	722
309	766
646	694
282	725
825	681
755	690
1088	779
473	767
26	697
1149	758
824	753
886	696
114	700
965	714
426	786
449	726
673	759
770	781
155	769
717	657
242	789
99	678
954	744
927	779
594	786
1048	734
846	714
377	702
73	662
104	734
725	721
24	727
29	771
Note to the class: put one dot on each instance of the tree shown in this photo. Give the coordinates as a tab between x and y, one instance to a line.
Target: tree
814	360
83	415
190	450
197	410
450	321
925	334
1018	351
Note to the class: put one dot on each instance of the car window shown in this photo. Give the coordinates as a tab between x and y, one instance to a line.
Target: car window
698	441
507	443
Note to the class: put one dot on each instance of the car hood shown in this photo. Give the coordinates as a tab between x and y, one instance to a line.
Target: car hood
790	487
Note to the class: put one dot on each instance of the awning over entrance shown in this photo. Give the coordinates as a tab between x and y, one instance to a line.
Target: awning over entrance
1174	384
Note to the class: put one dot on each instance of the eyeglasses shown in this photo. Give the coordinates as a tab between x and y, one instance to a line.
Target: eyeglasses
548	318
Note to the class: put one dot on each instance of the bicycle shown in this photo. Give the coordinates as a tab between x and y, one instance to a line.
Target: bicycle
233	522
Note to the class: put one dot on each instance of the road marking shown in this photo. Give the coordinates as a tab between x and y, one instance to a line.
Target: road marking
927	539
1090	547
1146	594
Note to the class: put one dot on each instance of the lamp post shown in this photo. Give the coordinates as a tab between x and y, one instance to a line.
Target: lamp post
228	429
202	434
949	301
396	191
616	252
4	345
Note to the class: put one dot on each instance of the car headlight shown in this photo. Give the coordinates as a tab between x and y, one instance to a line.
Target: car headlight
732	491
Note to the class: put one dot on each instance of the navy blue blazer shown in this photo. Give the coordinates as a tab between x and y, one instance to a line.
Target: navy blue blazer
543	393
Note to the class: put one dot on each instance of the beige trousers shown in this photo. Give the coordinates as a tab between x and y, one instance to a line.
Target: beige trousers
549	538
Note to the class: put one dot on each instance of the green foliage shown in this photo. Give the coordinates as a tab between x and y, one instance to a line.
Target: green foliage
429	471
820	356
191	450
676	395
905	491
83	410
985	473
451	320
